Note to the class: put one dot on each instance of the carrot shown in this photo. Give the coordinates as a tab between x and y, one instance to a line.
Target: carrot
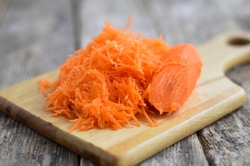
108	83
175	81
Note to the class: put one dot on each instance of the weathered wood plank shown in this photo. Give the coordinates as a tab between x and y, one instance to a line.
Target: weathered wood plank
188	152
118	12
196	21
228	140
35	38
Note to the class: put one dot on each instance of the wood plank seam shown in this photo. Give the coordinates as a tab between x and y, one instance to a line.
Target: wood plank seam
75	9
203	145
4	8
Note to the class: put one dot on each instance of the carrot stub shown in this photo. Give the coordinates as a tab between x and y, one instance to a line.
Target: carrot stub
175	81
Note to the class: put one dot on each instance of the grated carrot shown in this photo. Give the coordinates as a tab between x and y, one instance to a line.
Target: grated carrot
107	84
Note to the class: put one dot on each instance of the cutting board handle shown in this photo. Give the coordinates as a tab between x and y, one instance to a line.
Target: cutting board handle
240	42
223	53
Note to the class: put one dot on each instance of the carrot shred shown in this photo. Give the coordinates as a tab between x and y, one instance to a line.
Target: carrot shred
108	83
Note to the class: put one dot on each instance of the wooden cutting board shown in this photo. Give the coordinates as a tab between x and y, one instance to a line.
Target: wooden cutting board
214	97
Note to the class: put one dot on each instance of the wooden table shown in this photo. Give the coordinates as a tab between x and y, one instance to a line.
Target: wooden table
36	36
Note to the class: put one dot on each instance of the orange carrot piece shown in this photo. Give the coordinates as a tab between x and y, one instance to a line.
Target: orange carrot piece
175	81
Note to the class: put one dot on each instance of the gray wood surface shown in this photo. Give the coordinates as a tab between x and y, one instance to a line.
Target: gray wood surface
36	36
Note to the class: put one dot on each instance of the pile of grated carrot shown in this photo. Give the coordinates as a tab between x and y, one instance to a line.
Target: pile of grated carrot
120	77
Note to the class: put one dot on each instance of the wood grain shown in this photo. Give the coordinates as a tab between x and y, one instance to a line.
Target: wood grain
214	97
32	41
